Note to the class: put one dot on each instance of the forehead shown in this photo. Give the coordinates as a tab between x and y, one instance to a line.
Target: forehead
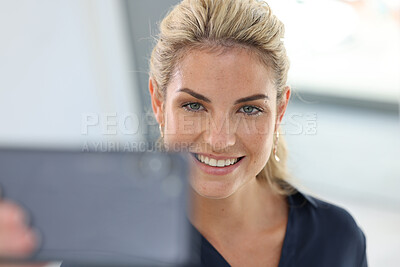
233	72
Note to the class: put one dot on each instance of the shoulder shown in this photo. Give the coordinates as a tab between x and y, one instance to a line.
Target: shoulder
332	216
326	216
327	229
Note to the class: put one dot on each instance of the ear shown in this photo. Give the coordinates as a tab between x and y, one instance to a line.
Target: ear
281	109
156	102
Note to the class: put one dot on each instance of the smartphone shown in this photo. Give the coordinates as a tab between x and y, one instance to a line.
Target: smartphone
103	208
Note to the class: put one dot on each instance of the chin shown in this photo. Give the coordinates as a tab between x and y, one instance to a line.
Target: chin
212	189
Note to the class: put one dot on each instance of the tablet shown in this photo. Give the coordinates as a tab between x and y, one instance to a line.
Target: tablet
103	208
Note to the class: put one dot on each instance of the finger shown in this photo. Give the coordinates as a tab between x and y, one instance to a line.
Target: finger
18	243
16	238
11	215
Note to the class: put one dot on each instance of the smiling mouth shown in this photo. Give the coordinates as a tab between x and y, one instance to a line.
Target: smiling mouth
217	162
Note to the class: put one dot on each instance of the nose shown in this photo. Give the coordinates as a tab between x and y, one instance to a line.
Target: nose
219	133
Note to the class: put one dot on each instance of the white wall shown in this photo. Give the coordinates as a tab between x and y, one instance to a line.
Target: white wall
343	48
60	60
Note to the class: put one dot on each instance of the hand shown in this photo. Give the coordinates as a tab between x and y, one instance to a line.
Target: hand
16	238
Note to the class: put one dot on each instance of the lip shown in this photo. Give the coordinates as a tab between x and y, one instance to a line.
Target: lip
217	157
215	170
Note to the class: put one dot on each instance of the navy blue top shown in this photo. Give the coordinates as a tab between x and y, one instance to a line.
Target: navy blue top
318	234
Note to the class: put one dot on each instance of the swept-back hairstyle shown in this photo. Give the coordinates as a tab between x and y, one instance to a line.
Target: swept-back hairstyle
213	24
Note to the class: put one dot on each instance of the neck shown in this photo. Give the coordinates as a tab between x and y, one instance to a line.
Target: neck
252	209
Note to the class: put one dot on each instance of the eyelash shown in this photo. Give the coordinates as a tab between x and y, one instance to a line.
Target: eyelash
258	109
185	107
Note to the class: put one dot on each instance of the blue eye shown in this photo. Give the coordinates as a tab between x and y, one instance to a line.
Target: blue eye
194	107
251	110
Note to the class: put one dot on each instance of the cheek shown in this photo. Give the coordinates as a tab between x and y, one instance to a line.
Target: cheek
183	124
181	129
264	137
255	128
260	150
257	135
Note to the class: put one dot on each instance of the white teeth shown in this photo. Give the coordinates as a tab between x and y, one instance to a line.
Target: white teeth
212	162
216	163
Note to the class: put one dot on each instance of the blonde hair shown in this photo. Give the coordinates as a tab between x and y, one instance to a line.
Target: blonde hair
214	24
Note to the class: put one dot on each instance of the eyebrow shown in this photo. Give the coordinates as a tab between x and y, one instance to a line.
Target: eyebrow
194	94
251	98
241	100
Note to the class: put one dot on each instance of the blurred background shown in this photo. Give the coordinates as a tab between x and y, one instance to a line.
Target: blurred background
74	75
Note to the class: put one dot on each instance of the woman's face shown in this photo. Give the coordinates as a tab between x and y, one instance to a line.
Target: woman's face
222	108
